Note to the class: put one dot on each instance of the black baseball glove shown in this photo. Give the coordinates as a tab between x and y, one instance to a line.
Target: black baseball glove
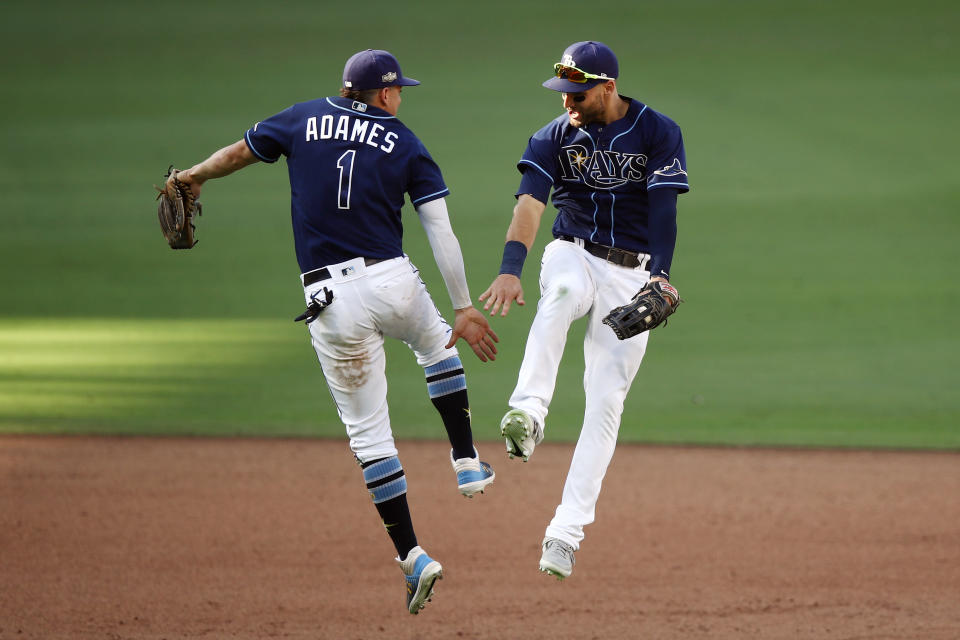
647	310
177	213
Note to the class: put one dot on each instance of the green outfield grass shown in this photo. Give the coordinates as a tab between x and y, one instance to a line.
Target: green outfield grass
815	249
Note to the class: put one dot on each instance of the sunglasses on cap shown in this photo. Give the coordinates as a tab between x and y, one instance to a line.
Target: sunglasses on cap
566	72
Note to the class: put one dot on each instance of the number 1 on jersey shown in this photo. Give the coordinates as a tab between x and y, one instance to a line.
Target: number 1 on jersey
345	164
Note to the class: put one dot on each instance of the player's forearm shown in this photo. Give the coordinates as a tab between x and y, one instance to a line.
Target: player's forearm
446	250
223	162
663	231
521	234
526	220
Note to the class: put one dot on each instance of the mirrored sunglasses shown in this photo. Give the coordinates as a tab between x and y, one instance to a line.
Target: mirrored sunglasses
566	72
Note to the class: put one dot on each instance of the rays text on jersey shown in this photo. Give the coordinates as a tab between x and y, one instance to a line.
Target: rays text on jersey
350	130
601	169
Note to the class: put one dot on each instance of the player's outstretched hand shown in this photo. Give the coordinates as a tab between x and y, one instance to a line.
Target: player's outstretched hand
501	293
185	178
470	325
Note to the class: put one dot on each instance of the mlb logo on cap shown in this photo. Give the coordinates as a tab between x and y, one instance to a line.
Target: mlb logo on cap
374	69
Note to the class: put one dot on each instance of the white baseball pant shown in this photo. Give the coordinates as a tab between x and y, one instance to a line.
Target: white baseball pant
573	284
370	302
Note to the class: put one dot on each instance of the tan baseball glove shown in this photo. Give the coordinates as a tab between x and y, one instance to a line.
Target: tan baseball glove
177	213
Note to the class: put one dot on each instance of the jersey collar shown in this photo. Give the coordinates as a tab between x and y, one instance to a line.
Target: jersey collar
617	126
359	108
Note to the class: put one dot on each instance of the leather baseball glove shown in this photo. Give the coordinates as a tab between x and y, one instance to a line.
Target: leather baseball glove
648	309
177	213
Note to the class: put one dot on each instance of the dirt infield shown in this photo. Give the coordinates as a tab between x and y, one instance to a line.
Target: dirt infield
178	538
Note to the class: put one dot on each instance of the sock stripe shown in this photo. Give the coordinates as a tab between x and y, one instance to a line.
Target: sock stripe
450	364
443	376
381	469
382	481
390	490
447	386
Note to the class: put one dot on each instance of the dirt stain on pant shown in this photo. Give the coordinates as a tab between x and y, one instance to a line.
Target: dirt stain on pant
352	373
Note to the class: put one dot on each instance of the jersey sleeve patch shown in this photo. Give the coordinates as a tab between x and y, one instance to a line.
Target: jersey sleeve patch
668	160
673	175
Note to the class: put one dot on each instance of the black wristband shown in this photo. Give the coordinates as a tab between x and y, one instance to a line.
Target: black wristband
514	253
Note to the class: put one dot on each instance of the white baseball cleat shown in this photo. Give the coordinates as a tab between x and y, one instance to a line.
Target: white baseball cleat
420	572
557	558
473	475
521	432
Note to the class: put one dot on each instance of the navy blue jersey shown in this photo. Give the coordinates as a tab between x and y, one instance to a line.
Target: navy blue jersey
601	175
350	165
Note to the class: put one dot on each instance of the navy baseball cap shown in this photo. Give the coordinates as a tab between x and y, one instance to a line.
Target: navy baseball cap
374	69
593	58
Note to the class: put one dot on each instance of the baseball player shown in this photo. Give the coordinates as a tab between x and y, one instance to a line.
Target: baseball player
615	167
350	163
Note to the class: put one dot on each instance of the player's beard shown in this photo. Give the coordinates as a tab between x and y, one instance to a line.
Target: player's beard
590	110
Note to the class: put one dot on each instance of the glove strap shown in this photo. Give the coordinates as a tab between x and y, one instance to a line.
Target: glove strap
316	306
666	290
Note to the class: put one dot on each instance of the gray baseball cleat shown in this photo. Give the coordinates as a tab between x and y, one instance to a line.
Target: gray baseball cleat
557	558
521	432
420	572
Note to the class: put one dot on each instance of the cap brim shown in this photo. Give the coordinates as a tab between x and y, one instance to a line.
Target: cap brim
407	82
565	86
